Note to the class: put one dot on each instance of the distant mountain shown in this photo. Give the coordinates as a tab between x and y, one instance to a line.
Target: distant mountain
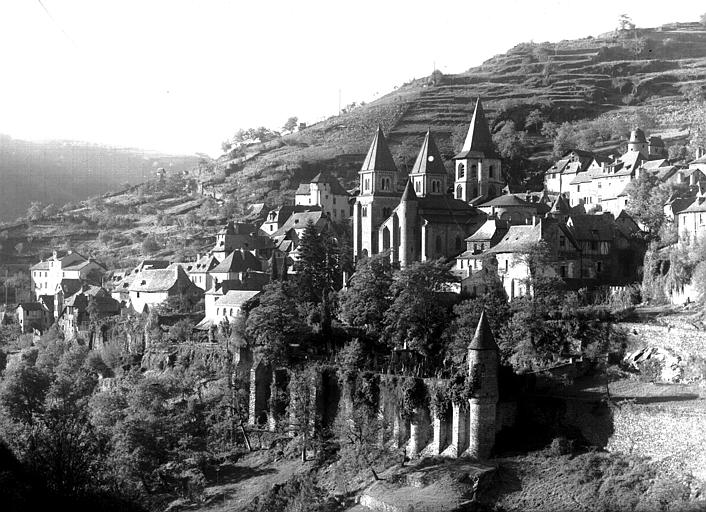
57	172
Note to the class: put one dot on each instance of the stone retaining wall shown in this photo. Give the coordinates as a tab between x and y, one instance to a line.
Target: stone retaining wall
675	437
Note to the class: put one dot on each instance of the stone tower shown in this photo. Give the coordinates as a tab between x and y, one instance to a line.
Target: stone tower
477	167
410	244
483	360
377	197
638	142
428	174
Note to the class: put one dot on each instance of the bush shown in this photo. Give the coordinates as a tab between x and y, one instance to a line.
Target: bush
651	370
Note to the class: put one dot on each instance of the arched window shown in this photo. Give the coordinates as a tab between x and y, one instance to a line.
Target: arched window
438	244
459	192
435	186
365	211
474	170
417	186
461	170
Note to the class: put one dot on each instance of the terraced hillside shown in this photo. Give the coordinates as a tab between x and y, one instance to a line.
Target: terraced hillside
581	79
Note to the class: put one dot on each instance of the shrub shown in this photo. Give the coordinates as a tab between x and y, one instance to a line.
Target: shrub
651	370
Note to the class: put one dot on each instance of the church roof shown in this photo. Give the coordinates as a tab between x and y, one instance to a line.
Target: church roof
483	338
429	159
379	157
478	140
489	230
408	194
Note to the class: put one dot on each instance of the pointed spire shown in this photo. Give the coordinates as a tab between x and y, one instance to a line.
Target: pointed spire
483	339
408	194
478	139
429	159
379	157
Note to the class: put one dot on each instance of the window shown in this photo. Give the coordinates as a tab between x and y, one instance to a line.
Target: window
272	228
461	171
594	245
138	295
599	267
459	192
474	167
365	211
490	171
218	311
578	188
506	265
334	199
366	184
435	186
562	271
417	186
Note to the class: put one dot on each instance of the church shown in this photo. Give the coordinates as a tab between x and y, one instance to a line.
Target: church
429	219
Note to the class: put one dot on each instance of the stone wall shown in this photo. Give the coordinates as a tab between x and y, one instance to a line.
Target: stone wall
680	337
675	436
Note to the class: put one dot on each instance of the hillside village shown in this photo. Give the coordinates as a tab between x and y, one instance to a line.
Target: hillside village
459	330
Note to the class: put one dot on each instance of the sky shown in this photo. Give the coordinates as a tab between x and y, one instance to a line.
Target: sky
182	76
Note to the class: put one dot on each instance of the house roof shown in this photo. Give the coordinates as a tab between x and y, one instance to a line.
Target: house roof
558	166
664	173
379	157
518	238
488	230
31	306
506	200
655	141
328	178
299	220
700	160
303	189
159	280
560	206
42	265
478	141
206	263
697	206
70	286
483	339
429	159
236	298
654	164
592	227
237	261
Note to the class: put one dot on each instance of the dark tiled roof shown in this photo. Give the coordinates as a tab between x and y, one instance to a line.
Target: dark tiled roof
592	227
31	306
637	135
518	238
299	221
488	230
303	189
478	141
238	261
506	200
326	177
160	280
560	206
379	157
429	159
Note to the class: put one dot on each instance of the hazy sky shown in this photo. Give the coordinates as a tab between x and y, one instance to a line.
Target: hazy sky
182	76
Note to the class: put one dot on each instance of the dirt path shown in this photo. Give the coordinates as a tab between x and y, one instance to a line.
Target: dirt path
252	476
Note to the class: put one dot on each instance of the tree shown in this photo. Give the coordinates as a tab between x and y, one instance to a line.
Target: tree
150	245
510	143
646	198
625	22
274	325
564	140
421	307
535	119
291	124
367	298
318	271
49	211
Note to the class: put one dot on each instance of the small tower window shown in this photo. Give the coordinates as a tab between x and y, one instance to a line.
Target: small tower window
366	185
490	171
474	169
459	192
417	186
461	171
435	186
365	211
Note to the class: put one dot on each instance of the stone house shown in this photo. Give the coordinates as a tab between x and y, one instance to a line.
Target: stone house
76	313
47	275
485	237
237	236
224	304
327	192
235	266
120	290
152	287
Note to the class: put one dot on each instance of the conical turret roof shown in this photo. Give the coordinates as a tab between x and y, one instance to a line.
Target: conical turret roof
483	339
560	206
429	159
408	194
379	157
478	140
